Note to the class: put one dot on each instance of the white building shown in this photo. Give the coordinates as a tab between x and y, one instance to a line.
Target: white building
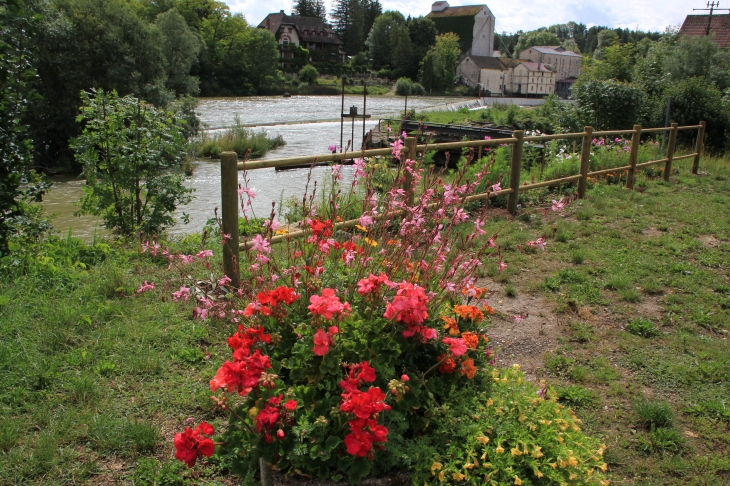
532	78
567	64
476	20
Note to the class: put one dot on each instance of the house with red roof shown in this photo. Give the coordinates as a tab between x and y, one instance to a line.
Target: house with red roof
716	27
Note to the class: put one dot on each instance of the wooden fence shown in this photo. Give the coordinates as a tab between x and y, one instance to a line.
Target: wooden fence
230	167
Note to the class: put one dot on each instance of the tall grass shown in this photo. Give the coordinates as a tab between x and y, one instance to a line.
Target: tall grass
238	139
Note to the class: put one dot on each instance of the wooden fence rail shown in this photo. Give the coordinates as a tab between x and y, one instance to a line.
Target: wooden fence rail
230	167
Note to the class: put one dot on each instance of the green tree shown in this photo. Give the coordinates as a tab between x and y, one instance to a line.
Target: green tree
423	34
131	154
353	20
402	51
379	39
694	100
180	46
437	67
15	146
536	38
606	38
310	8
607	104
308	74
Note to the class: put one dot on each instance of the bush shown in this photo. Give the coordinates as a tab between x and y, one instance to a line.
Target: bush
654	414
385	74
403	87
238	139
418	89
308	74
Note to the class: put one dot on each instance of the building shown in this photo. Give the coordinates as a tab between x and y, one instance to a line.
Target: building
532	79
566	64
474	24
717	27
310	33
492	74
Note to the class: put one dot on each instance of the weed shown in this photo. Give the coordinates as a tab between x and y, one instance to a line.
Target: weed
576	396
581	332
654	414
578	256
83	389
563	236
661	440
142	435
579	373
714	409
652	287
618	282
584	214
642	327
510	290
630	294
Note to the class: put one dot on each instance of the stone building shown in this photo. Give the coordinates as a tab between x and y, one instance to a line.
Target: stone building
474	24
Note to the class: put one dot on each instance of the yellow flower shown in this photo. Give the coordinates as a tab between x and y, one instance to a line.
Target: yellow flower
484	457
536	453
518	481
441	477
361	228
538	473
522	417
516	452
459	476
499	450
487	465
436	466
371	242
469	465
603	467
572	476
490	402
282	232
484	440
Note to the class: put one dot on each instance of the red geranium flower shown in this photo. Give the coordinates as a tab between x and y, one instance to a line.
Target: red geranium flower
191	444
328	305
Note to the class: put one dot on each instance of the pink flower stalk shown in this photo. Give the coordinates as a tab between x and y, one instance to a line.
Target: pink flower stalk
145	287
333	147
497	187
502	266
186	259
328	305
456	345
249	191
272	224
224	281
558	205
205	254
259	244
337	172
183	293
538	243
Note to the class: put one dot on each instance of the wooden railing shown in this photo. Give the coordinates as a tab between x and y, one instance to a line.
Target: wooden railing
230	167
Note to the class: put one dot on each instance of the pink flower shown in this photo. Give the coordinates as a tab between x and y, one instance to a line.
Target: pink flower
487	137
200	313
323	340
373	283
557	205
365	221
457	345
258	243
332	147
328	305
183	293
502	266
224	281
145	287
519	318
404	378
204	254
538	243
186	259
497	187
249	191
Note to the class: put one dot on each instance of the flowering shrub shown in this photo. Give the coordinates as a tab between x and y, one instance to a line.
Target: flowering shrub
346	344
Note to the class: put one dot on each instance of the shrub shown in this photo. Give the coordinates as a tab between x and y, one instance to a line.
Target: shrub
418	89
654	414
385	73
403	87
308	74
242	140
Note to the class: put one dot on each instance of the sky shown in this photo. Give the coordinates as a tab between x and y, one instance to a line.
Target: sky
648	15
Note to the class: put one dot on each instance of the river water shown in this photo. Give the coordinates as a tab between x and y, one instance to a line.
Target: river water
307	125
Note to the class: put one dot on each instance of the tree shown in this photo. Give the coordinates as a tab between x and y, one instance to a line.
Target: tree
536	38
402	51
606	38
693	100
131	154
308	74
379	39
353	20
180	46
15	146
607	104
437	67
423	34
310	8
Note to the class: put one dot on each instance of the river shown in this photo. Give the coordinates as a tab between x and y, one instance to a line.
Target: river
305	122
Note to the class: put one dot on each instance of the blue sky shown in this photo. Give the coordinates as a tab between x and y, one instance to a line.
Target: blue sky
511	16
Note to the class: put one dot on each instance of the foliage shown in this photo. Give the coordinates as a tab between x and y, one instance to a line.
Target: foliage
402	58
510	436
539	37
654	414
352	21
403	87
246	142
642	327
379	39
437	67
607	105
460	26
131	153
310	8
308	74
15	146
180	46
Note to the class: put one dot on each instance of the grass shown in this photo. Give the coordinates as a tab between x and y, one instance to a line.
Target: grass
647	299
238	139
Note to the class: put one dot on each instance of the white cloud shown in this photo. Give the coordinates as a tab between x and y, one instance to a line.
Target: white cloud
524	14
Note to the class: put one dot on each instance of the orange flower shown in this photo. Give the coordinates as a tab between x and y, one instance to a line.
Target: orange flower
484	337
468	368
451	325
392	242
468	312
448	366
472	291
471	340
488	309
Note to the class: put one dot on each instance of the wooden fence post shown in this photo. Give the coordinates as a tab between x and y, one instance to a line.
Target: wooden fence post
229	214
699	146
635	143
670	151
585	157
514	171
409	153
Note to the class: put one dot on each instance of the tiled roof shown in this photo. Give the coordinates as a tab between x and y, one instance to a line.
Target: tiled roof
466	11
696	26
484	62
534	66
555	50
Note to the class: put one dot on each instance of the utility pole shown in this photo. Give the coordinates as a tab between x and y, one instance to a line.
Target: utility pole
711	6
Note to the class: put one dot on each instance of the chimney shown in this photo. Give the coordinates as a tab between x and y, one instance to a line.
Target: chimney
439	6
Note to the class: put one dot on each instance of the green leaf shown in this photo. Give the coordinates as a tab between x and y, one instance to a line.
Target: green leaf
359	469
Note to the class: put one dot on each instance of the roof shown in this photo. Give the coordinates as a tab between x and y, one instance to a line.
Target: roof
466	11
534	66
311	25
554	50
696	26
484	62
